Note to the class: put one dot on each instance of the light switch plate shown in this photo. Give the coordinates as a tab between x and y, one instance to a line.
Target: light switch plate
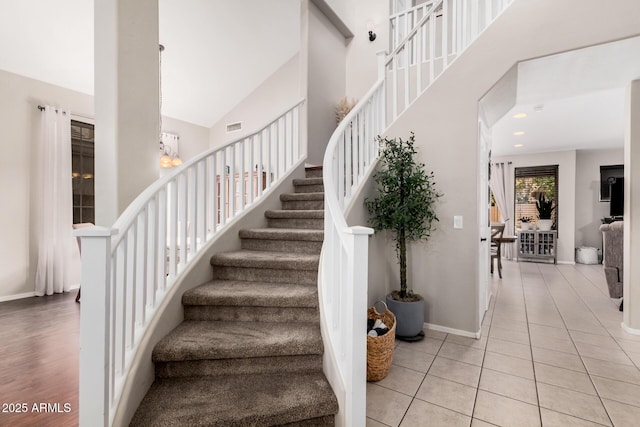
457	221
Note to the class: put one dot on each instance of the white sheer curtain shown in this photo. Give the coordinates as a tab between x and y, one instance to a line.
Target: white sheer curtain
57	269
502	188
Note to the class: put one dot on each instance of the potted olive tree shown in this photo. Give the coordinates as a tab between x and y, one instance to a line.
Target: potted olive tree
404	206
545	210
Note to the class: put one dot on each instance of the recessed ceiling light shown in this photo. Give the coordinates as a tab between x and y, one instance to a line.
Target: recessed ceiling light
519	133
519	145
520	116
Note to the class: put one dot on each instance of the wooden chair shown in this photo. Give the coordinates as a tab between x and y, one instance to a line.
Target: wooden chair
75	227
496	234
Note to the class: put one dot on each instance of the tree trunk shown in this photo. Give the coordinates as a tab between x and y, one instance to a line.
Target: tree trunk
402	242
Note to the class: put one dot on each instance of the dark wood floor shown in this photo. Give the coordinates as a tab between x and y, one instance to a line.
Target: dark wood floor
39	345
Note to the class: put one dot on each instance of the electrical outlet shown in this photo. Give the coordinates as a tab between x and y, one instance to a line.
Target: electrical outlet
457	221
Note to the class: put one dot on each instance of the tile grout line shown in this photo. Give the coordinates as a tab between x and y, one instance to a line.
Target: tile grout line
533	365
544	280
413	398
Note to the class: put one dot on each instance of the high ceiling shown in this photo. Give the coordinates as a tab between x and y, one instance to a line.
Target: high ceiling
216	53
574	100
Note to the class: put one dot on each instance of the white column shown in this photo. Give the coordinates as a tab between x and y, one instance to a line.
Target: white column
126	103
94	326
631	279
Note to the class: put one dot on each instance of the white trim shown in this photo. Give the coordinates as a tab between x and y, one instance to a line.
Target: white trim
629	330
566	262
17	296
460	332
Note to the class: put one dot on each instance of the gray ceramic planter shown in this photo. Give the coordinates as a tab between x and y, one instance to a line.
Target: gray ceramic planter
409	316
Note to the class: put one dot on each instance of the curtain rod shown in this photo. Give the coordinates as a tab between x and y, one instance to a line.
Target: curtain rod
41	108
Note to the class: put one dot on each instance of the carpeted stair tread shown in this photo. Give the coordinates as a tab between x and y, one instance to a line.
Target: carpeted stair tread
258	294
262	259
298	234
291	213
197	340
289	197
307	181
234	401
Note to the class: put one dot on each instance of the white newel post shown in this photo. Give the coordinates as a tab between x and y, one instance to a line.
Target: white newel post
94	326
357	239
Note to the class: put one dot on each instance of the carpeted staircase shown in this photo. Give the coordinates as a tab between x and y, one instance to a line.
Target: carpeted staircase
249	352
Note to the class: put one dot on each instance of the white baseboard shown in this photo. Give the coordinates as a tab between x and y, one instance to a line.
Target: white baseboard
629	330
17	296
447	330
567	262
32	294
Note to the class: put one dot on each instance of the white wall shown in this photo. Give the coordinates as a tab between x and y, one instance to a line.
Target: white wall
631	279
19	166
566	161
194	139
19	169
589	208
278	92
326	55
362	68
445	120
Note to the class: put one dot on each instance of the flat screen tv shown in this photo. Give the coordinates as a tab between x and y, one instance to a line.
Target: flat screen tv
606	172
616	206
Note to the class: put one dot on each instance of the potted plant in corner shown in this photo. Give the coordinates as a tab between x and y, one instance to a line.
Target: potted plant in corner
545	209
405	206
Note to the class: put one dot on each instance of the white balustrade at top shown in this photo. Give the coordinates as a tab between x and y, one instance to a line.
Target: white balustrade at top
128	269
436	33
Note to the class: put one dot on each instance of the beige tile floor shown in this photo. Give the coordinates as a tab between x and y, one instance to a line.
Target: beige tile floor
552	353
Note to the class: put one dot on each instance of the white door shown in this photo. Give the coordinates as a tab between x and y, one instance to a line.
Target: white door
484	250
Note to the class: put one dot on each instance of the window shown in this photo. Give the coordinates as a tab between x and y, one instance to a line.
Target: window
82	170
530	182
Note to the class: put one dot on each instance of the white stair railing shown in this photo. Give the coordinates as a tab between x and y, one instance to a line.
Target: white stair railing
128	269
350	156
445	29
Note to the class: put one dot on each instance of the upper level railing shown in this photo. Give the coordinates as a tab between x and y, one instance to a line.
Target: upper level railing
403	21
128	269
445	29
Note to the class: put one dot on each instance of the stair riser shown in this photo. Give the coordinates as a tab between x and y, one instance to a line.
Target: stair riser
251	314
306	223
249	366
313	173
290	246
304	277
309	188
303	204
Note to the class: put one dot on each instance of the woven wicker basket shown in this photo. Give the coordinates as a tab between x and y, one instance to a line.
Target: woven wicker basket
380	349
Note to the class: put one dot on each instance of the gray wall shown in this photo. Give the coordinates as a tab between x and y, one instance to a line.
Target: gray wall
326	54
589	208
19	170
445	120
275	95
19	174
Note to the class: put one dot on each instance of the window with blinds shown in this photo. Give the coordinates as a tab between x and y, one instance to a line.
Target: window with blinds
530	182
82	172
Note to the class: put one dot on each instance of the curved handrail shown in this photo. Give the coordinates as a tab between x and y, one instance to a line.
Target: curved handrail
350	155
130	267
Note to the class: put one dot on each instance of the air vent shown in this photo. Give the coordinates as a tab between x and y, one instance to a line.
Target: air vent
232	127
